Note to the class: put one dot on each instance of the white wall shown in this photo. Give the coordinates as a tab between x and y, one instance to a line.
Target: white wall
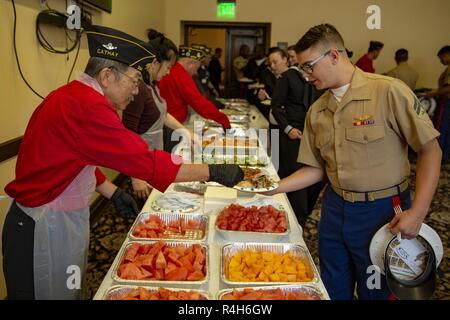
421	26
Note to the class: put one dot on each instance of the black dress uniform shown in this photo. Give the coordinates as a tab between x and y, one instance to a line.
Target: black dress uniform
292	97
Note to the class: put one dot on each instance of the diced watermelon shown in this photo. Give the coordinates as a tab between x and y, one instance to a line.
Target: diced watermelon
160	263
196	276
179	274
159	274
183	226
145	274
198	266
131	252
170	267
157	247
131	272
187	264
147	263
190	257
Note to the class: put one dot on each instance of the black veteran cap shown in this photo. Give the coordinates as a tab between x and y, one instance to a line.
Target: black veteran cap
116	45
190	52
202	47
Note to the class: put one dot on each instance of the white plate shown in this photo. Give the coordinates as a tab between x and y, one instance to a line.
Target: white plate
184	209
273	186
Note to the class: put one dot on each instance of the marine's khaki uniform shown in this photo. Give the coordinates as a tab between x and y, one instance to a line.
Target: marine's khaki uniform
405	73
362	142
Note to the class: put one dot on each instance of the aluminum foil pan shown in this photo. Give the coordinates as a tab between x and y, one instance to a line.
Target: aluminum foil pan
191	235
239	118
159	283
234	112
191	187
242	160
311	290
210	145
116	292
249	236
298	251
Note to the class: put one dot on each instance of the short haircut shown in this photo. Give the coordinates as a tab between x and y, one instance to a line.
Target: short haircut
444	50
218	50
401	55
95	65
282	53
375	45
291	48
320	35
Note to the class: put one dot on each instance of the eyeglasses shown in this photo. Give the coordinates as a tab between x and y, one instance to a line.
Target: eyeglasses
308	69
136	82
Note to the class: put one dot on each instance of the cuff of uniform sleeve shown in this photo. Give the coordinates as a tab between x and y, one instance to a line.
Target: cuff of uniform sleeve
288	129
166	167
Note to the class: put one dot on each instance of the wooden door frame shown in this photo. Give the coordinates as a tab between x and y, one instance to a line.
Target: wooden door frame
185	25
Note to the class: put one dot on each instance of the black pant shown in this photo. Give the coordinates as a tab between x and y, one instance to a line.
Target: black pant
18	249
302	201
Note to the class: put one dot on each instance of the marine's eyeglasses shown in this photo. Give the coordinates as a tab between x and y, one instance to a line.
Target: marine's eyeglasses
308	68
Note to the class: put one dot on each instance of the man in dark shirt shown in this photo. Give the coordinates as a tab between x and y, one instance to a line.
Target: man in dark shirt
216	69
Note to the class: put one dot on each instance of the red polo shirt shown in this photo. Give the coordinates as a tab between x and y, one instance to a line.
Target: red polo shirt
365	64
179	90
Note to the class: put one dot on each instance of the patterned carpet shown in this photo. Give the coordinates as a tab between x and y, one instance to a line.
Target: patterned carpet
109	232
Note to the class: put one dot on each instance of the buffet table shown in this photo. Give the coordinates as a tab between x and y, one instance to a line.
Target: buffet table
215	242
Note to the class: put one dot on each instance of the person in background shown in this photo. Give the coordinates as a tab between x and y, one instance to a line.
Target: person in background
404	71
241	61
268	77
365	63
348	131
202	78
256	63
180	91
292	56
216	69
147	114
290	103
46	230
442	115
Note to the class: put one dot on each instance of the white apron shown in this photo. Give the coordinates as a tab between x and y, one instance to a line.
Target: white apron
61	240
61	234
154	137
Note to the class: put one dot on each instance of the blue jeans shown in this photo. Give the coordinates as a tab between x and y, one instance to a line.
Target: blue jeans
345	232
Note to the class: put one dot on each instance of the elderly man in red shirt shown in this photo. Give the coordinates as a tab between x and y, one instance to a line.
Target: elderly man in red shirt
75	129
180	91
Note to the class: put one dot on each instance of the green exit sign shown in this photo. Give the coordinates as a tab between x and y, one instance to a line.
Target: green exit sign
226	10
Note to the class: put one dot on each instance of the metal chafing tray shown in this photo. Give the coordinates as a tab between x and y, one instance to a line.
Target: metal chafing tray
115	292
250	236
228	251
160	283
306	289
191	235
